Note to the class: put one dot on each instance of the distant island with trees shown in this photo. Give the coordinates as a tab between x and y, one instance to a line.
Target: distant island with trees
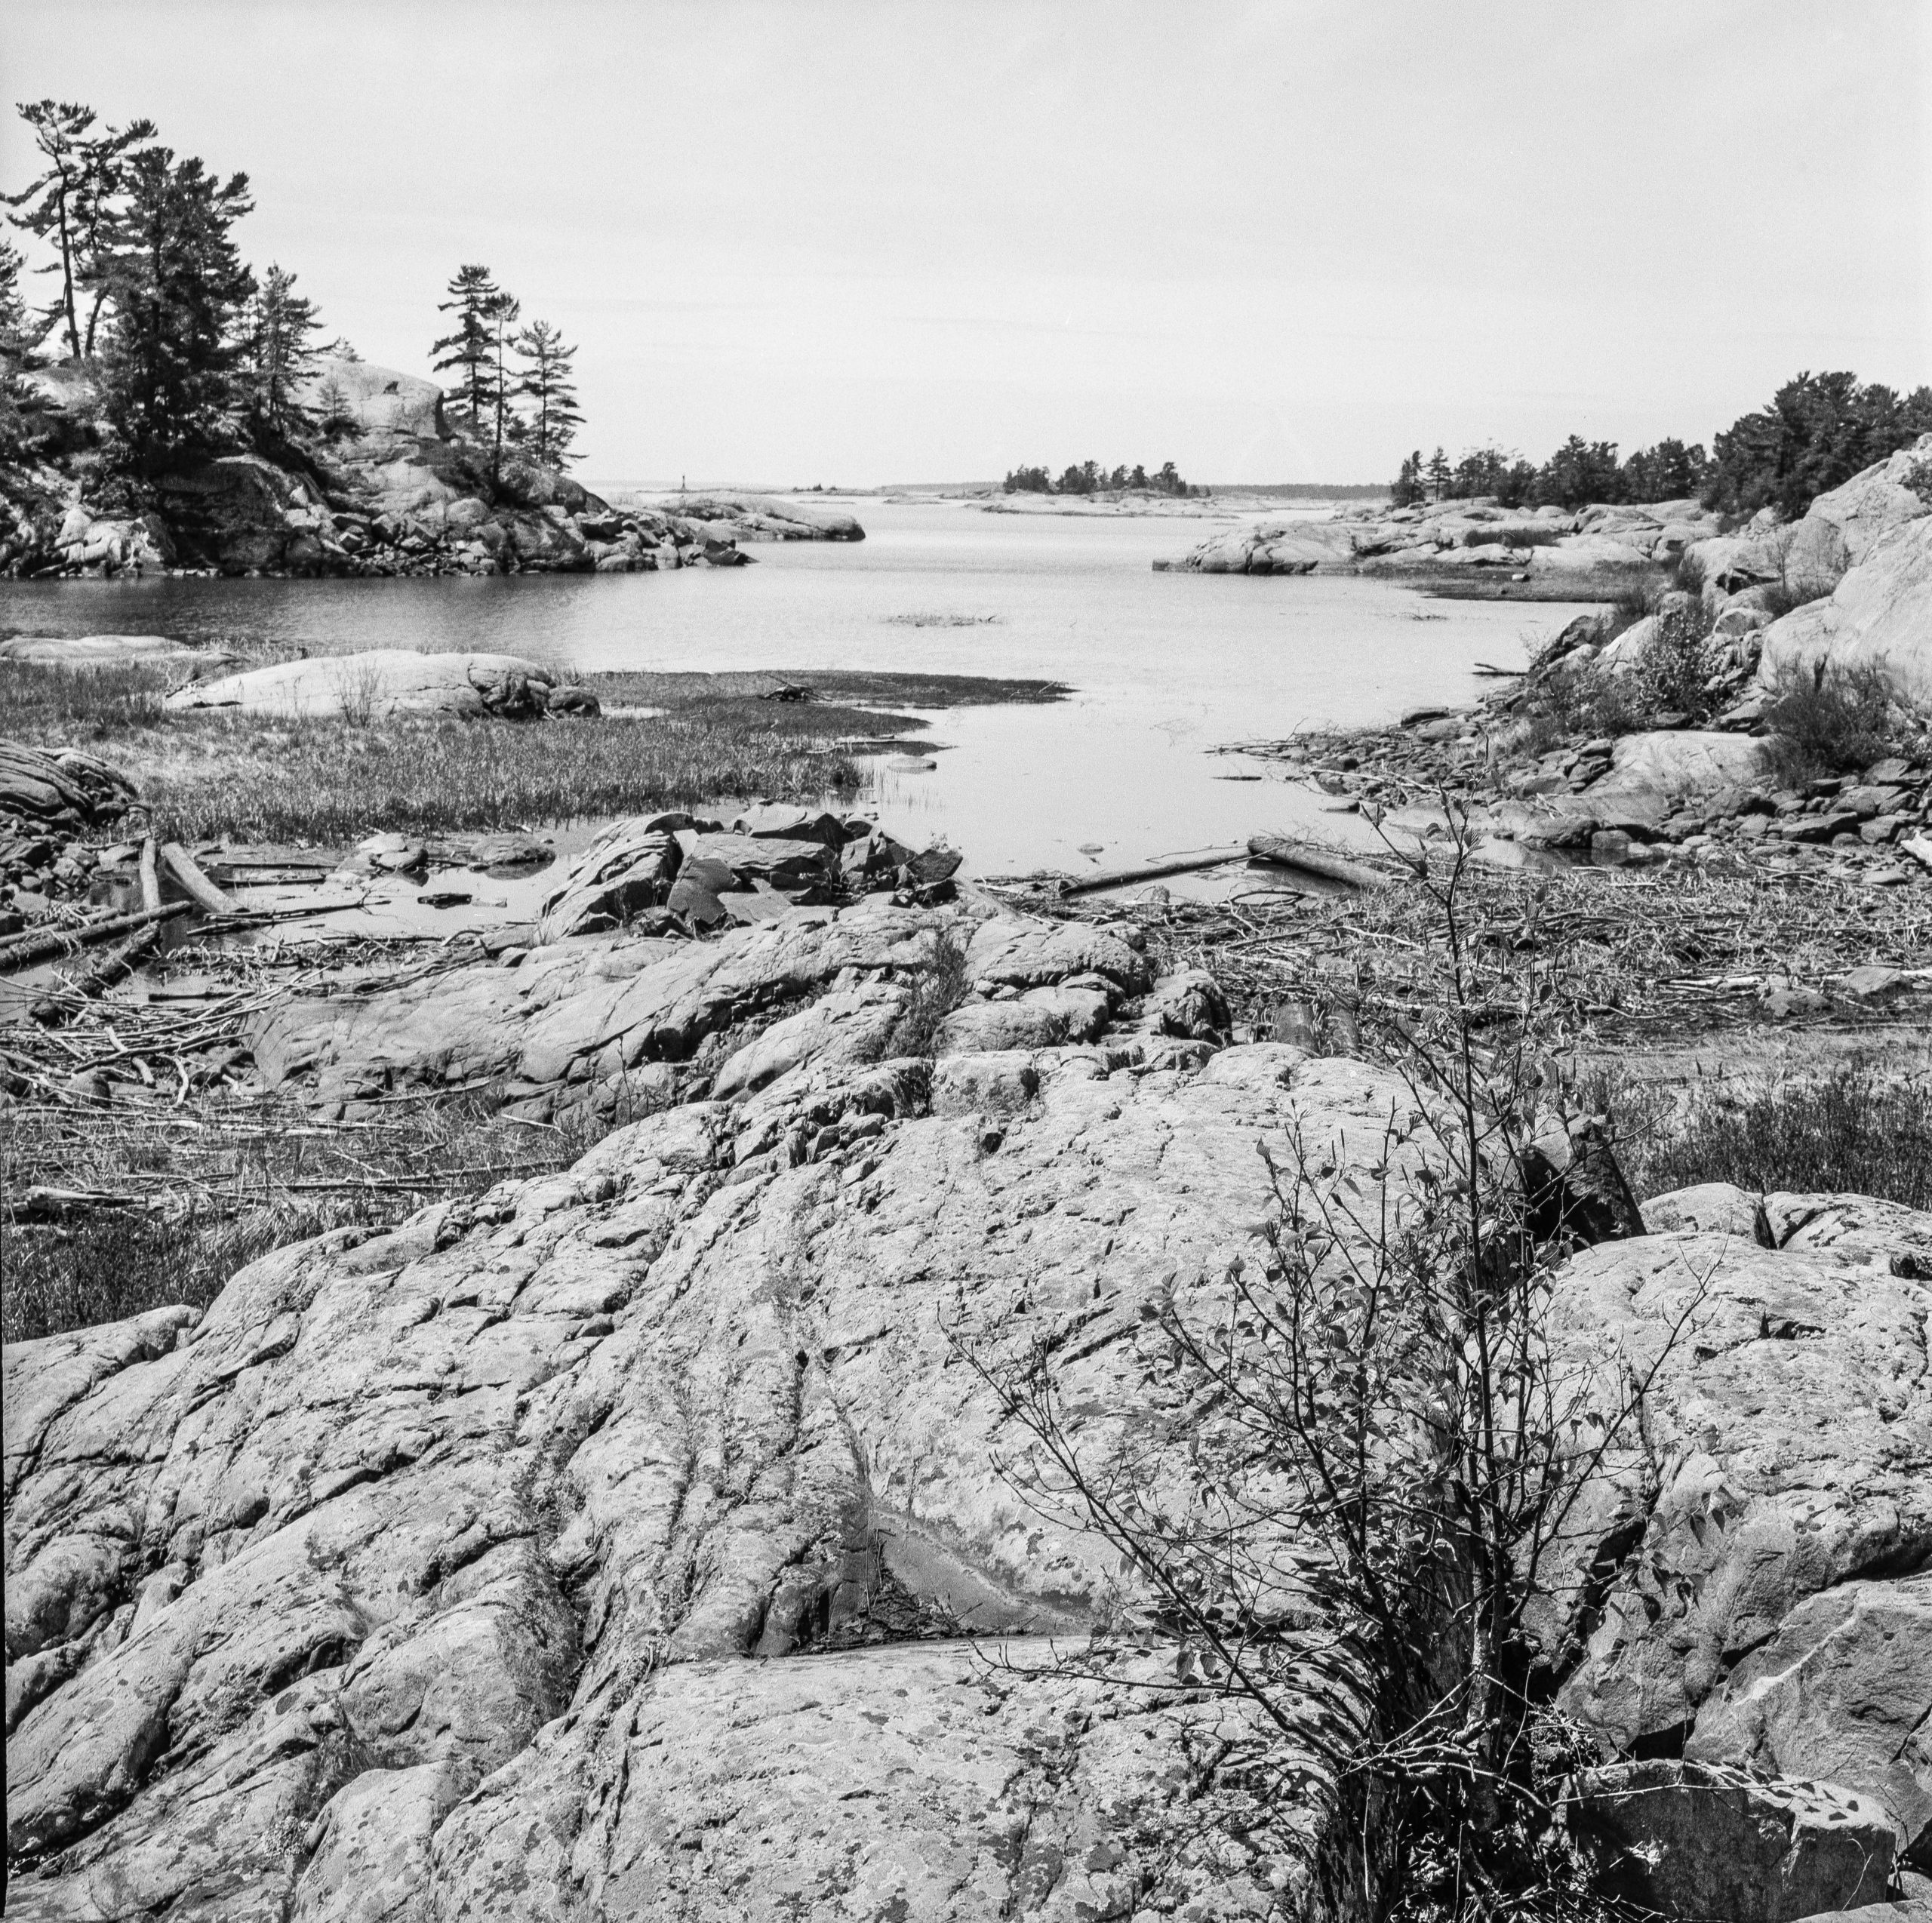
1817	431
1090	478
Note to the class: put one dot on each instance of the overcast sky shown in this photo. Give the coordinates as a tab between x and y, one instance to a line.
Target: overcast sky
860	241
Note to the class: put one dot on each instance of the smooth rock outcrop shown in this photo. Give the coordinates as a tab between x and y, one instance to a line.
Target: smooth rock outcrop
1879	615
378	683
572	1551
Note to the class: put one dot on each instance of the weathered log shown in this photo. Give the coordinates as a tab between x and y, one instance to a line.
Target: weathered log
183	867
1152	871
18	954
1283	853
150	875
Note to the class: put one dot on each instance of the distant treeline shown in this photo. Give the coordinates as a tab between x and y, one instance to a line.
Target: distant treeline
1818	431
1090	478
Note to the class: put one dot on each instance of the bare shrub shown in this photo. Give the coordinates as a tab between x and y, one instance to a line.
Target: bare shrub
1372	1454
1826	720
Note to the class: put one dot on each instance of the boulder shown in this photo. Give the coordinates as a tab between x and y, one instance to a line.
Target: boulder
1189	1003
1681	1840
378	683
1584	553
630	867
777	863
1879	616
1652	774
849	1024
1731	563
1842	1690
1038	1019
780	823
1710	1208
109	650
1785	1454
69	783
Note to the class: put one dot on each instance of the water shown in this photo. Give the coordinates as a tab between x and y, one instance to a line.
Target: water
1165	666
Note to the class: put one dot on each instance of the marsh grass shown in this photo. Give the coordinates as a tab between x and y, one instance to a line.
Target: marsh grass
330	781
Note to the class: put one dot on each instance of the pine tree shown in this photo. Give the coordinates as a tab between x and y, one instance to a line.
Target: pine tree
279	330
19	403
73	205
501	317
467	347
59	131
1439	475
1407	489
100	225
169	378
549	384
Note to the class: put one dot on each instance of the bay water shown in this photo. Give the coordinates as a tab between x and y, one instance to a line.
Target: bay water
1164	667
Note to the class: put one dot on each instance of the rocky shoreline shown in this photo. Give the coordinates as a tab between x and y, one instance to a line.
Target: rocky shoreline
1528	771
658	1532
402	494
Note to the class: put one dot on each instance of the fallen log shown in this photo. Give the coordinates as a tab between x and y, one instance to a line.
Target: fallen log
27	949
183	867
150	875
1283	853
1152	871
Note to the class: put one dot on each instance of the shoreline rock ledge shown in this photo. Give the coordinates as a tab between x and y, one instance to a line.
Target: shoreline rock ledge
629	1541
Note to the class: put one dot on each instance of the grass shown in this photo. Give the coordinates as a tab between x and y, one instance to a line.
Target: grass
1852	1129
209	1189
937	992
329	781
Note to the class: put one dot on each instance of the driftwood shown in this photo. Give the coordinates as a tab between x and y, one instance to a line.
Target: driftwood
103	976
1285	852
66	941
182	866
150	875
1119	878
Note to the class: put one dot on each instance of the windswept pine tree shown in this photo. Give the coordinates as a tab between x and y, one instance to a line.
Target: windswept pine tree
279	331
501	317
469	347
75	205
549	384
172	355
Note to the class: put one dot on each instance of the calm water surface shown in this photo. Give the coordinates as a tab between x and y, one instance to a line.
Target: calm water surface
1165	666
